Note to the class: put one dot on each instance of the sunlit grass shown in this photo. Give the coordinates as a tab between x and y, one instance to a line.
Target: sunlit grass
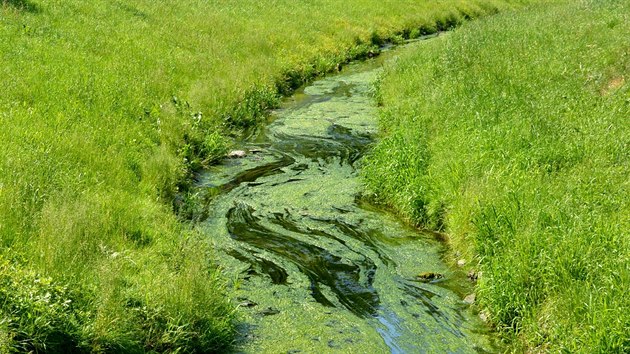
512	135
105	108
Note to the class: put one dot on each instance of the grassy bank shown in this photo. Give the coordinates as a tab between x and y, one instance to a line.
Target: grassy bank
106	107
511	134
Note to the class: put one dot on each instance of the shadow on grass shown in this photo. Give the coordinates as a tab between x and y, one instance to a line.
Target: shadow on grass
22	5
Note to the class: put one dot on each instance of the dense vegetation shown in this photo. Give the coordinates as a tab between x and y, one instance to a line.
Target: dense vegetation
106	107
512	135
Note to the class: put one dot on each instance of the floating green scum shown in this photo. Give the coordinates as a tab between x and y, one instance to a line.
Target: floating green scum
318	269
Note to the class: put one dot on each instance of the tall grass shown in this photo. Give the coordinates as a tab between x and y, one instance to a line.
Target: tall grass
105	108
511	134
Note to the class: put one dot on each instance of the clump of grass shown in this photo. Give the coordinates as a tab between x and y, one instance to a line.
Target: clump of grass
512	133
38	315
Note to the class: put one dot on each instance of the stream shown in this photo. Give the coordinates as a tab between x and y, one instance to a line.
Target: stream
316	269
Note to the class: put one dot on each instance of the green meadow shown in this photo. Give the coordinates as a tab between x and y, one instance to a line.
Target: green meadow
106	110
512	136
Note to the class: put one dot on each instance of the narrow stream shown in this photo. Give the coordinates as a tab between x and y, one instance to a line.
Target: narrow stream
315	269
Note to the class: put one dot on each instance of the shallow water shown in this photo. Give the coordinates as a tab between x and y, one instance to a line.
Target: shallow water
316	269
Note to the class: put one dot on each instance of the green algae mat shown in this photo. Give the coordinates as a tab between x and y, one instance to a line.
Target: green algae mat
315	268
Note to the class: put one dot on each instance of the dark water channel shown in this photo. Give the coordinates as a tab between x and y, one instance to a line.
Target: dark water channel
315	269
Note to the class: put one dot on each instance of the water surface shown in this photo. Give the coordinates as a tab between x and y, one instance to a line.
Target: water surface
315	269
